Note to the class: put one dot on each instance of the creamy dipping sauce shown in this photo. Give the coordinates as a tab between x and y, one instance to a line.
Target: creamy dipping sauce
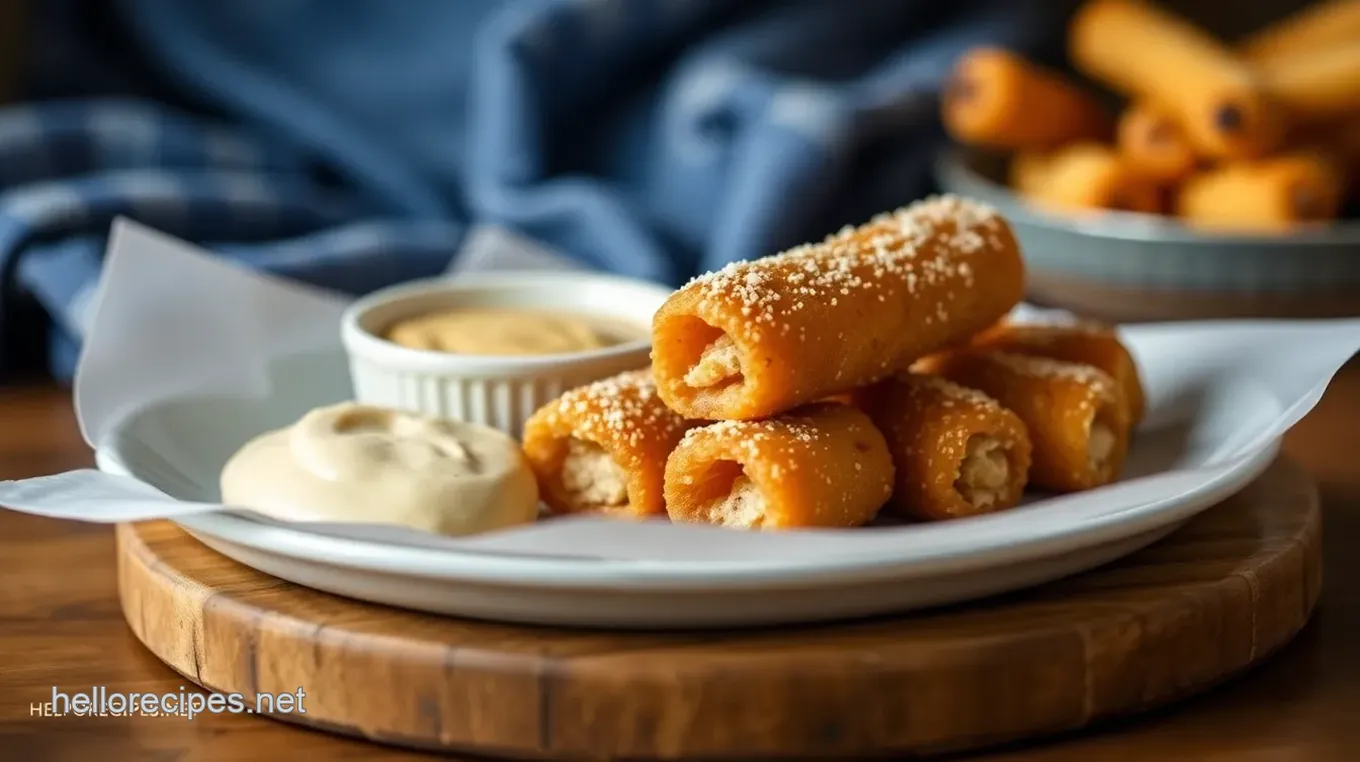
512	332
365	464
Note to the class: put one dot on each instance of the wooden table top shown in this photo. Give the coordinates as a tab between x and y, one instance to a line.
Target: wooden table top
61	626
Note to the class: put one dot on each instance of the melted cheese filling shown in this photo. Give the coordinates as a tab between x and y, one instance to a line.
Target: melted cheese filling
744	506
719	364
1100	445
984	472
591	477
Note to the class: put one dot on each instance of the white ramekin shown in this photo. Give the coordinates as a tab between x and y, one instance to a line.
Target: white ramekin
497	391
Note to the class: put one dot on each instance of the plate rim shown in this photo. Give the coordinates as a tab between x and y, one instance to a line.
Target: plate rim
525	570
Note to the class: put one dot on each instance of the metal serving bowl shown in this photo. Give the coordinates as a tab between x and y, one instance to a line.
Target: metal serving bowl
1125	266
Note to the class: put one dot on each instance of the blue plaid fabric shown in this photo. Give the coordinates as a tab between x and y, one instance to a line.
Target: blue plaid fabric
353	142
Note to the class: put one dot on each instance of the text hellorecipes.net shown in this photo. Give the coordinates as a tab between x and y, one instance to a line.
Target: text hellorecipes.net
99	701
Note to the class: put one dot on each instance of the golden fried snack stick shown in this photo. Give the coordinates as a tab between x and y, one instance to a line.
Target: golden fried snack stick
1317	87
1153	144
1319	25
758	338
1337	145
1340	148
1085	343
823	465
1084	176
997	99
1071	411
1143	51
1343	143
956	451
603	447
1266	195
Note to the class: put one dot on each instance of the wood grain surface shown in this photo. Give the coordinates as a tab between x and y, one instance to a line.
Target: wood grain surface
1226	590
61	625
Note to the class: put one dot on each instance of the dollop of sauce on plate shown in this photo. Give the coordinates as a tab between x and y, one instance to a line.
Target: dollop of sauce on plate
509	332
365	464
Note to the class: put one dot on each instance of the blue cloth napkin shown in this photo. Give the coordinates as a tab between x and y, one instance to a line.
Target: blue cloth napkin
352	143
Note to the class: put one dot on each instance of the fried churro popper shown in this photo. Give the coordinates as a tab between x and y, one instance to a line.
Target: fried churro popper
1143	51
761	337
1341	147
603	447
1086	343
1318	26
956	451
1071	411
997	99
1153	144
1265	195
822	465
1317	87
1083	176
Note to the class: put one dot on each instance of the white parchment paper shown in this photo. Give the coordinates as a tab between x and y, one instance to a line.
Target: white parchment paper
188	356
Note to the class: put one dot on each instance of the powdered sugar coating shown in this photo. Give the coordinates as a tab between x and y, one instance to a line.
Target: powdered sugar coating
918	245
937	431
840	314
1060	403
904	404
1086	342
623	420
788	439
1034	366
1045	332
624	408
948	390
821	465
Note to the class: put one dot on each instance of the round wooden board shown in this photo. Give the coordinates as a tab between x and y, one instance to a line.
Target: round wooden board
1226	590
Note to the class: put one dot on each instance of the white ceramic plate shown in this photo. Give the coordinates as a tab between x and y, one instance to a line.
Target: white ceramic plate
1174	472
